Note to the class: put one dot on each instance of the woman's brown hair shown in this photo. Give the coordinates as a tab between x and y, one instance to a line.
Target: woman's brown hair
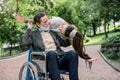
78	45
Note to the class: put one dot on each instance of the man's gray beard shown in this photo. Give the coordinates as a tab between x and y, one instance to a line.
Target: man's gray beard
44	28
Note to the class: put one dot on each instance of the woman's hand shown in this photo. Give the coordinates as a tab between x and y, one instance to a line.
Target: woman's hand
93	59
19	18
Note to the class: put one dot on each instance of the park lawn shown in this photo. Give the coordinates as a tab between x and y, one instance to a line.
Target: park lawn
99	39
96	40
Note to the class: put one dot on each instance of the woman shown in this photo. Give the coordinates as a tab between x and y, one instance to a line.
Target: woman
76	38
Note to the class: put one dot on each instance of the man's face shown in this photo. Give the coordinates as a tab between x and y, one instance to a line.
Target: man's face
44	21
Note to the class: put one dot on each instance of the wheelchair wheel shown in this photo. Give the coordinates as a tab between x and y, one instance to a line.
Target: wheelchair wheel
40	72
28	67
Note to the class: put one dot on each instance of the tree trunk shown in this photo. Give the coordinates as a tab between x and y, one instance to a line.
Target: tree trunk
108	27
10	52
114	25
84	33
1	51
94	28
106	35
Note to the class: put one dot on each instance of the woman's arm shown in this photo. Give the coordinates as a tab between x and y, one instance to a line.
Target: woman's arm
64	42
22	19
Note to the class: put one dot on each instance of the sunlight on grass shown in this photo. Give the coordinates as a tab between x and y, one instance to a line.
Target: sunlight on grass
96	40
99	39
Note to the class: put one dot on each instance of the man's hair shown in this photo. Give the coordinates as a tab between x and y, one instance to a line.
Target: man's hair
38	17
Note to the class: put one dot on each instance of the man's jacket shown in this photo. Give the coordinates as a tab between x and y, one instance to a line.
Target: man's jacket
34	38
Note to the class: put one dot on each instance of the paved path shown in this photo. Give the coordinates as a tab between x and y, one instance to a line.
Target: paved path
100	69
9	68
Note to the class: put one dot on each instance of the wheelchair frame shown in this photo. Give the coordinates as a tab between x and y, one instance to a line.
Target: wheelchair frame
36	67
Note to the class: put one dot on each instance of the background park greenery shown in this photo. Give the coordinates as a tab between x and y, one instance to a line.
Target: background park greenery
96	19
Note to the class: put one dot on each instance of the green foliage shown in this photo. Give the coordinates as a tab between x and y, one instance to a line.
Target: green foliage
85	14
111	47
67	11
86	39
114	39
100	38
112	56
12	31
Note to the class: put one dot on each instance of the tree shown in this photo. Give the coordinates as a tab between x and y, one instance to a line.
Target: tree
10	31
109	10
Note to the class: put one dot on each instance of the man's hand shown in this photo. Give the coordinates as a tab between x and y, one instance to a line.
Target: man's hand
19	18
30	25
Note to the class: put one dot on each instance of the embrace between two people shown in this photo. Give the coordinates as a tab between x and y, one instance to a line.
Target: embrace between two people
56	28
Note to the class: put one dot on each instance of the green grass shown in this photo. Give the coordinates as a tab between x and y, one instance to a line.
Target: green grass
96	40
7	54
99	39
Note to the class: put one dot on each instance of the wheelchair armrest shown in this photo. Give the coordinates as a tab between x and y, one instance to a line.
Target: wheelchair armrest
38	55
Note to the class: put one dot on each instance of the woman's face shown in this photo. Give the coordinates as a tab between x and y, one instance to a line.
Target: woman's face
63	28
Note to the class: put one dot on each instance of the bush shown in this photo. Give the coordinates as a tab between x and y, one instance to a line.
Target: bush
112	56
111	47
114	39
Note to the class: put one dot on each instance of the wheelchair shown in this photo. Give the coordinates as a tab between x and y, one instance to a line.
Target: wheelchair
35	67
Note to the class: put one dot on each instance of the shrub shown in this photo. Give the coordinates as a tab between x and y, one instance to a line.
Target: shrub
111	47
112	55
114	39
